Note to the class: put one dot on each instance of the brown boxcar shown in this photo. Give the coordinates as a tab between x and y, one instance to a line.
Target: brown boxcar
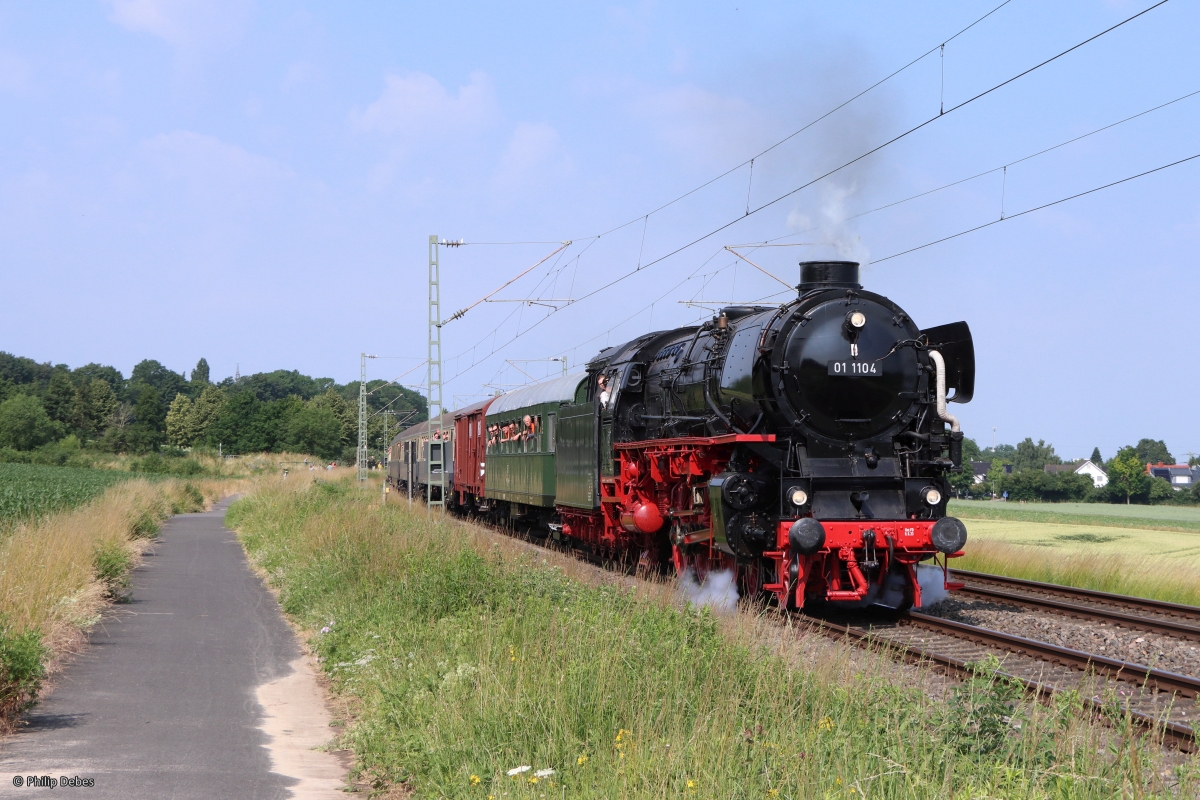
470	450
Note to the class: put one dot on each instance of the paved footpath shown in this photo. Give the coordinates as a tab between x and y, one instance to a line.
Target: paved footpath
168	701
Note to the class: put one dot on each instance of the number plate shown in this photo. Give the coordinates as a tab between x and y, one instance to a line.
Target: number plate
856	369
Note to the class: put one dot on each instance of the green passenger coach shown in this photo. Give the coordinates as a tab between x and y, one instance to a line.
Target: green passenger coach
521	431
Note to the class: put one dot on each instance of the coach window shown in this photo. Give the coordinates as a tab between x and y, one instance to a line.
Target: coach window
550	420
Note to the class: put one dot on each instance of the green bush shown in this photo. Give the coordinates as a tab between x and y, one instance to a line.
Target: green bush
145	524
113	563
24	423
1033	485
22	658
189	501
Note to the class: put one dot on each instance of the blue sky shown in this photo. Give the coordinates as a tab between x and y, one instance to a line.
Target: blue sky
255	183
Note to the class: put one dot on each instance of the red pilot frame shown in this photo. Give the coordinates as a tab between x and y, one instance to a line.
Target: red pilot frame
835	573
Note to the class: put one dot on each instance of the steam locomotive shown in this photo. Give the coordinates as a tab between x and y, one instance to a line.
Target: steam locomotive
805	447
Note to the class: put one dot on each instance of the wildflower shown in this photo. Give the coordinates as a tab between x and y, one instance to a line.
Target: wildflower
691	784
826	724
621	734
515	771
543	773
582	760
837	782
772	793
533	779
474	780
326	629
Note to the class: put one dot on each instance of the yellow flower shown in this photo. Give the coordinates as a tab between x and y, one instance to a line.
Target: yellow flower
826	724
582	760
772	793
837	782
474	780
533	779
621	734
691	784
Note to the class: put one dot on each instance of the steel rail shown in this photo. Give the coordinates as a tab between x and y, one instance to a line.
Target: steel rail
1152	624
1180	735
1139	603
1161	680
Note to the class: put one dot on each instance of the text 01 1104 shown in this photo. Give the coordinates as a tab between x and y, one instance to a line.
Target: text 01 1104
855	369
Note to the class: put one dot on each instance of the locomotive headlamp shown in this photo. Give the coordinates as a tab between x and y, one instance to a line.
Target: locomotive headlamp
857	319
798	497
931	496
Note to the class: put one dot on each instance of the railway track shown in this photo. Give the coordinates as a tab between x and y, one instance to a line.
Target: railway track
1135	613
1164	702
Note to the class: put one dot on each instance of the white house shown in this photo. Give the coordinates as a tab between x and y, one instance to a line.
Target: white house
1098	476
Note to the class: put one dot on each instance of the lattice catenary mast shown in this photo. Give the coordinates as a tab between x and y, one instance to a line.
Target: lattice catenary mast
437	473
361	459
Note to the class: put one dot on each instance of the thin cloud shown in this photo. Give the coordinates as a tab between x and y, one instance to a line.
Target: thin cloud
534	154
184	24
704	126
209	165
417	105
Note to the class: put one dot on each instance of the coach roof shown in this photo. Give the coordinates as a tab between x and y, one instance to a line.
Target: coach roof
558	390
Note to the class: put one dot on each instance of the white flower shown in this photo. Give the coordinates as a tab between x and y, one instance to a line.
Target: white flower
519	770
544	773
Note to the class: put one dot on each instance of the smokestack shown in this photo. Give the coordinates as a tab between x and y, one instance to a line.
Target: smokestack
816	275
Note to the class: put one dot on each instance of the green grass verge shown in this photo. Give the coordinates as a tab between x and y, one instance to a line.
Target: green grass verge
28	491
467	659
1163	518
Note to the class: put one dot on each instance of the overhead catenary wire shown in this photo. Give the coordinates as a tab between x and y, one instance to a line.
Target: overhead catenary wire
999	168
757	267
394	381
458	314
803	128
645	217
942	112
877	148
1037	208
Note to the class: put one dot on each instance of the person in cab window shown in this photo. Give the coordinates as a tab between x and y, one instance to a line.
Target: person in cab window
605	393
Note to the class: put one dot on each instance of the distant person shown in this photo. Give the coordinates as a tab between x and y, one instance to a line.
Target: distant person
605	394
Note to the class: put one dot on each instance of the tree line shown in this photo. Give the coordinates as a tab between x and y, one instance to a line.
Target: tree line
1020	471
48	410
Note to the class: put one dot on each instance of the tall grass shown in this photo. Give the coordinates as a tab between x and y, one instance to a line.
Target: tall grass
467	659
1154	577
58	571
